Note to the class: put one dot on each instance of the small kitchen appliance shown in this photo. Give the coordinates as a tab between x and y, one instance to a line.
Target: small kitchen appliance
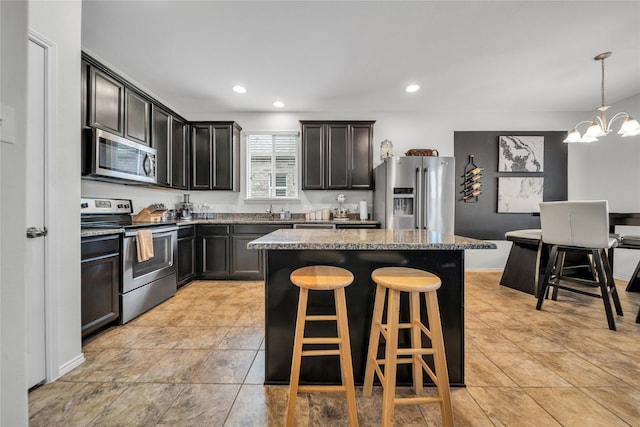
185	208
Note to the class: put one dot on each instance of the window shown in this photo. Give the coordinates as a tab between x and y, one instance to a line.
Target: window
272	165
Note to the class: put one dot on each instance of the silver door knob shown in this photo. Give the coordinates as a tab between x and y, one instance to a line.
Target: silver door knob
33	232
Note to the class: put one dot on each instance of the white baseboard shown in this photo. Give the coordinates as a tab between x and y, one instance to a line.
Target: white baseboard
70	365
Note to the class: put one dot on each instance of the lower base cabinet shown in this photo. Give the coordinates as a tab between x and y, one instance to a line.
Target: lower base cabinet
186	265
222	253
100	282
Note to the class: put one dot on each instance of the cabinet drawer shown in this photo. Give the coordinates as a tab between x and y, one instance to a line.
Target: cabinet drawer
258	228
94	247
213	229
186	231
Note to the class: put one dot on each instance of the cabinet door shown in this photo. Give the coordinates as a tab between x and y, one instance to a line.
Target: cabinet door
136	117
201	157
222	158
179	154
160	141
186	260
361	156
107	103
338	156
245	263
214	257
313	157
100	282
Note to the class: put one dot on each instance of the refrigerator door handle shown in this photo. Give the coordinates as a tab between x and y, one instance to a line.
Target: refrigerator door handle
418	200
425	197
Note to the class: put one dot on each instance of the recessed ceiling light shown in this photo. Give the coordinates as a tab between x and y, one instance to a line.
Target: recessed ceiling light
278	104
412	88
239	89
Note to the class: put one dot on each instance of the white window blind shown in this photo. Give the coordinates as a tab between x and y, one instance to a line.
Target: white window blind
272	165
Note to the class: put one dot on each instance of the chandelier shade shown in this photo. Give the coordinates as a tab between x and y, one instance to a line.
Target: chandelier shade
599	126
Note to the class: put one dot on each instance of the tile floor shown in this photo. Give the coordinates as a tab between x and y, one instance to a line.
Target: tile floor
197	360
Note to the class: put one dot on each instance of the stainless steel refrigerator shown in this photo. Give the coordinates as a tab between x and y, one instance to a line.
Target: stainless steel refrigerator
415	192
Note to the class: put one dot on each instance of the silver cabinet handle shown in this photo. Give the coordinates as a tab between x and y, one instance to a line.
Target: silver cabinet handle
33	232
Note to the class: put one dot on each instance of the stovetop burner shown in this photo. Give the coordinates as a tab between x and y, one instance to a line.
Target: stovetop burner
111	213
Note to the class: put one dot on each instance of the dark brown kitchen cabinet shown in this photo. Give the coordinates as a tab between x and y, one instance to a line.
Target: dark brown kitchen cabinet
179	154
100	282
106	102
215	159
136	117
186	265
246	263
212	252
161	120
337	155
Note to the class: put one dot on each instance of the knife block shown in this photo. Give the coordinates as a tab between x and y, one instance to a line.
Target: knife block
146	215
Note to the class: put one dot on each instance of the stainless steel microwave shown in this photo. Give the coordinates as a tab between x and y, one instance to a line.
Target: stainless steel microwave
115	157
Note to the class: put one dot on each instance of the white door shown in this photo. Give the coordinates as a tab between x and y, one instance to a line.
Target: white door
35	213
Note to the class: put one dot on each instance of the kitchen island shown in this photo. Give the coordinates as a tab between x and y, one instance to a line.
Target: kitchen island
361	252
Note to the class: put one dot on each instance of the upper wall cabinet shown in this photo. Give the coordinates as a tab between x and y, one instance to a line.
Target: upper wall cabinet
337	155
215	156
161	121
106	102
136	117
179	154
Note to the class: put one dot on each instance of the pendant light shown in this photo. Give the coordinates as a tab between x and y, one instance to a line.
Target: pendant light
599	126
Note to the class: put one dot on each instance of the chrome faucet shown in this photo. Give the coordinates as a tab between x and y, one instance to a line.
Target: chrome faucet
270	211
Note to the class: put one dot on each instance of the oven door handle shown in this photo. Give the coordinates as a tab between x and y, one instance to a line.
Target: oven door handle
156	232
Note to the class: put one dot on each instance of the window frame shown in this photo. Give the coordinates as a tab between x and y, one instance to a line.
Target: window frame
248	156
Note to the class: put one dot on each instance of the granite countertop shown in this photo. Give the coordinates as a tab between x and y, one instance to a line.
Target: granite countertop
254	220
366	239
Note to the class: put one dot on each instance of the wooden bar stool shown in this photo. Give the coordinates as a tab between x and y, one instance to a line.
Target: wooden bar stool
322	278
415	282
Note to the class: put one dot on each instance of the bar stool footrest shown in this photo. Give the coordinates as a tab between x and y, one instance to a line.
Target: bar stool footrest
416	400
321	388
321	352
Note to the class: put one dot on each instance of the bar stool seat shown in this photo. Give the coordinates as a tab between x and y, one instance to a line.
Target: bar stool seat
415	282
322	278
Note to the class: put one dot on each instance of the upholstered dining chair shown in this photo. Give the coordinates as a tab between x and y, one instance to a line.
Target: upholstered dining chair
579	226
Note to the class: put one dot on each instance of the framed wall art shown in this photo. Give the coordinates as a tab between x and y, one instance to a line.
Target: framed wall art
521	154
520	195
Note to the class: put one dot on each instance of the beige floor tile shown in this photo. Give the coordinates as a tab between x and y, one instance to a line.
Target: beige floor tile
531	340
118	337
622	401
577	370
175	366
128	366
256	372
94	360
46	394
225	367
201	405
208	318
624	365
508	407
490	339
466	411
572	407
526	371
79	407
138	405
481	371
242	338
258	405
201	337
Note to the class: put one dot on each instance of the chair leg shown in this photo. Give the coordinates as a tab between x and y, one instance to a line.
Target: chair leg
547	276
611	282
297	356
391	358
634	282
416	341
604	290
374	340
559	267
346	365
439	358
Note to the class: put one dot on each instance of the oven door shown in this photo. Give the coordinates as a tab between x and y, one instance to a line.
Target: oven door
165	246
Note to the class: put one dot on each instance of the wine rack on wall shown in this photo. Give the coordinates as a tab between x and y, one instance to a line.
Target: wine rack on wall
471	182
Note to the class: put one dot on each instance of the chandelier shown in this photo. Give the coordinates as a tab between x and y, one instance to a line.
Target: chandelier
599	126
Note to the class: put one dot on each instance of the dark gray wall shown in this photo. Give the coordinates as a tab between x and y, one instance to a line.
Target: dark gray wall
481	220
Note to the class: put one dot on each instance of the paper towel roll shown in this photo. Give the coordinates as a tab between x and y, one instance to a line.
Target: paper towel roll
363	209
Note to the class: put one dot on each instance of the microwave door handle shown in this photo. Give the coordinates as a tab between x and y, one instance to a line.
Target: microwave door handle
149	169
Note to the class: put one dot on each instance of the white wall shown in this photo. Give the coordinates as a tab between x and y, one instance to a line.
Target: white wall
13	93
60	22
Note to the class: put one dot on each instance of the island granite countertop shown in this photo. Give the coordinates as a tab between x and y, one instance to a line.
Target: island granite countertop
365	239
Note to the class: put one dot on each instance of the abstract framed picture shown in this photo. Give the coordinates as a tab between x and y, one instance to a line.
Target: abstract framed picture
521	154
520	195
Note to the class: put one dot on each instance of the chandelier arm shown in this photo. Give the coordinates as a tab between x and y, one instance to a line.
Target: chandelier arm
621	114
601	122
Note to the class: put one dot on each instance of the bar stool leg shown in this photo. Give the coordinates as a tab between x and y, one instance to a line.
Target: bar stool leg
297	356
391	358
346	366
439	358
416	340
374	340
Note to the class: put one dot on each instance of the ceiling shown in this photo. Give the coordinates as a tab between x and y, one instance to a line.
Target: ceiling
358	56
